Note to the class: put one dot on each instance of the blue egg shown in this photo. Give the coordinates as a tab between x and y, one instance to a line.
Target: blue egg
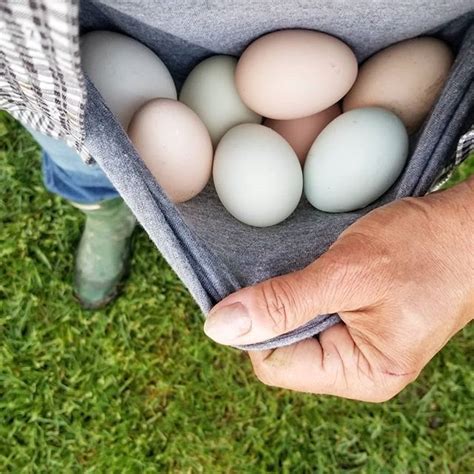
355	160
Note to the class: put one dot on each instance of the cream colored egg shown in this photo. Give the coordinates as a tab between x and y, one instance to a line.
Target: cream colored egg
295	73
405	78
175	146
126	73
210	91
301	133
257	175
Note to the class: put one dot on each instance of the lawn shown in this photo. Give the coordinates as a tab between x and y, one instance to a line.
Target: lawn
138	388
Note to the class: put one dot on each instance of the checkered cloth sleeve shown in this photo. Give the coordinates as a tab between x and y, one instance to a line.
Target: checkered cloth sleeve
464	149
465	146
41	81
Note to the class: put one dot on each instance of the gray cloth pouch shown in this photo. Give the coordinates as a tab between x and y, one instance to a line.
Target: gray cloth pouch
212	253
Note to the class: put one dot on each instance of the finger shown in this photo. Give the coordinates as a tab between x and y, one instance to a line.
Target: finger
281	304
332	366
309	366
292	367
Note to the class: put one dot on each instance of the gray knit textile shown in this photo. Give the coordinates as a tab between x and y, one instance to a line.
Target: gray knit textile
212	253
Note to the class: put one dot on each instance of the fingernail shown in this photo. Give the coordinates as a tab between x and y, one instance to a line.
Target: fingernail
228	323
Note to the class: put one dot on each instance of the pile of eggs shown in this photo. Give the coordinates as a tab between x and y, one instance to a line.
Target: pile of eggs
292	114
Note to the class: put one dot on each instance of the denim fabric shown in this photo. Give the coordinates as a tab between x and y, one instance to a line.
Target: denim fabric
211	252
64	173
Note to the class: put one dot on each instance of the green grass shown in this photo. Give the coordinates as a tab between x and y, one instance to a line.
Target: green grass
138	388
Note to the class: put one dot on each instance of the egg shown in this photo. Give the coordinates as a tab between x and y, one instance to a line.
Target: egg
210	91
405	78
175	145
301	133
355	160
257	175
126	73
294	73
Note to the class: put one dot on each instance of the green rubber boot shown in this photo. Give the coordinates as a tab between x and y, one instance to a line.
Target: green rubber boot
104	252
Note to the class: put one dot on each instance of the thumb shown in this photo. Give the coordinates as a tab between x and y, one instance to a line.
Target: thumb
281	304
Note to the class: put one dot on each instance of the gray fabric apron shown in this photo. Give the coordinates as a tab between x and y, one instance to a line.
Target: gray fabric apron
212	253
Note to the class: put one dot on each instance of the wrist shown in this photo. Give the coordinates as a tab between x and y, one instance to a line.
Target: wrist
454	211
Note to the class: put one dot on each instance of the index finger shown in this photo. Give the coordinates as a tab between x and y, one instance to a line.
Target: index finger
332	365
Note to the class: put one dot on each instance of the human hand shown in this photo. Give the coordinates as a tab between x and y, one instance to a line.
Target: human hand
401	279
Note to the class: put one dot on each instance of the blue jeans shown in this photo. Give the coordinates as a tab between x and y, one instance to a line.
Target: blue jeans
64	173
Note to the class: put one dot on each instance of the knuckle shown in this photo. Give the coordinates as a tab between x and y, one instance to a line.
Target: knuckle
278	304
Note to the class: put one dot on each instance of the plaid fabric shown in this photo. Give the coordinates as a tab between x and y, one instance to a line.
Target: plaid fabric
464	149
465	146
41	82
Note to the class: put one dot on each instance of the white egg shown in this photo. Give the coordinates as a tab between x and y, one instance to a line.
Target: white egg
355	160
210	91
126	73
257	175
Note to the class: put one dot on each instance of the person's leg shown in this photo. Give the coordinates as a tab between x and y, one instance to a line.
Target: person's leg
103	254
65	173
